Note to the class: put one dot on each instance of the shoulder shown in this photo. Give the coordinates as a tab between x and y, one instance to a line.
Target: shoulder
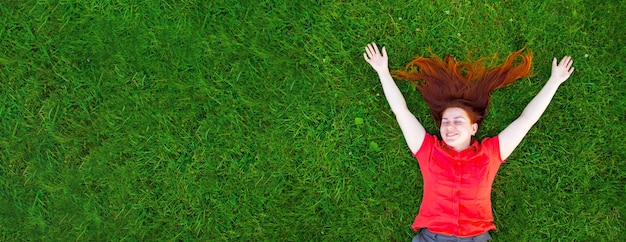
429	142
491	147
490	141
425	152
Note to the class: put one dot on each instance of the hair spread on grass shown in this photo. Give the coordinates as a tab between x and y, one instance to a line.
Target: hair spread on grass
448	83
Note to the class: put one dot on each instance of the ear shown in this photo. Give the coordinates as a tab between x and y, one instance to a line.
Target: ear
474	128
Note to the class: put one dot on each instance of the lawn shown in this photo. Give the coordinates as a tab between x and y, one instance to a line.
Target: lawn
259	120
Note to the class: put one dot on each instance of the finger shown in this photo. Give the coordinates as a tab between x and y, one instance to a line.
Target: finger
365	57
373	50
554	62
384	52
368	49
570	62
562	61
571	70
375	47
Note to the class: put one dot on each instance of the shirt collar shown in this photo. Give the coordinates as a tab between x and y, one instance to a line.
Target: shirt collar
473	148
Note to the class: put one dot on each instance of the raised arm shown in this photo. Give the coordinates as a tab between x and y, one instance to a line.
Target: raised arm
511	137
412	130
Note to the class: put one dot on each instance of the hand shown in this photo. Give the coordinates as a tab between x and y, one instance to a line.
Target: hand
563	70
375	59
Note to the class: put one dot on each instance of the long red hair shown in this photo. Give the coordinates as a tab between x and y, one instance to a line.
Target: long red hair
448	83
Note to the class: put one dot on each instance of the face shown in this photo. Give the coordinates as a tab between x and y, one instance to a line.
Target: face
457	129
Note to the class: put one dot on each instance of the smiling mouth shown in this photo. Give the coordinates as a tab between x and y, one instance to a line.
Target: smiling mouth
451	134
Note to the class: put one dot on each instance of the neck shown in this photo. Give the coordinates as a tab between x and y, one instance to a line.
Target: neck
461	147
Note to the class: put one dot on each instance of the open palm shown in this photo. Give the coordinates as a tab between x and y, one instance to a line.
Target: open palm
375	58
563	69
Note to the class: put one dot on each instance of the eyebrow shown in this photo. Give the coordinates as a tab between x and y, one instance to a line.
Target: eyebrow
457	117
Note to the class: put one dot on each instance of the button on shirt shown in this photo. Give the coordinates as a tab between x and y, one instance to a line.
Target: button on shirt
457	186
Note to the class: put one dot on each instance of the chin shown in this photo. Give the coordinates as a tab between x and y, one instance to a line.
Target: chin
450	143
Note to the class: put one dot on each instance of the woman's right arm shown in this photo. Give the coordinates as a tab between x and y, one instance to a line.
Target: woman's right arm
412	129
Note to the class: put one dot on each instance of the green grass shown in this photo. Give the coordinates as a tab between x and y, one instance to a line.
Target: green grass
259	120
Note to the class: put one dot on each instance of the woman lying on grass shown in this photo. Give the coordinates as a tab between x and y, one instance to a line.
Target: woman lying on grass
458	171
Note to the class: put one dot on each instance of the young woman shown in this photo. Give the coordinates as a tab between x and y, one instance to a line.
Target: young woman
458	171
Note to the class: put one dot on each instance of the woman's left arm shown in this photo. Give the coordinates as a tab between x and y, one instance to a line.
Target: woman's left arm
511	137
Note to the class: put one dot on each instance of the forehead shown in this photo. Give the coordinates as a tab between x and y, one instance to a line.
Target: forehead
453	113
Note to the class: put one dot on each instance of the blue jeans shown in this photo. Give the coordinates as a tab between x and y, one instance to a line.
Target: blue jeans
426	236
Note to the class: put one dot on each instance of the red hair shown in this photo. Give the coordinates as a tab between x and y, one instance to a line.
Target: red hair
447	83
